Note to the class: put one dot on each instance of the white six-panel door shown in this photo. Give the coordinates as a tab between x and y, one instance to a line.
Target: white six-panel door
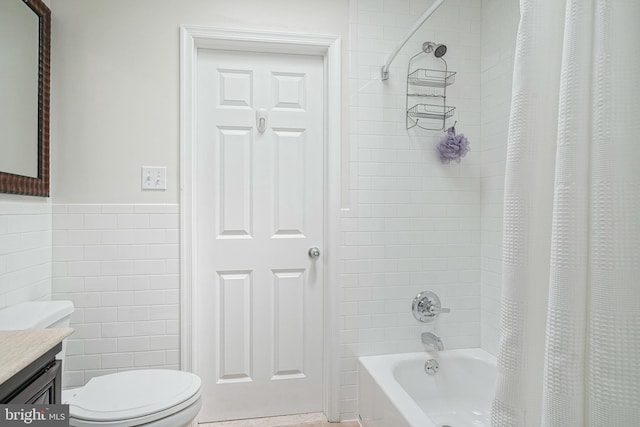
259	208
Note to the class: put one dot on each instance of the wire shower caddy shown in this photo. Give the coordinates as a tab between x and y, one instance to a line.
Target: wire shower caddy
431	85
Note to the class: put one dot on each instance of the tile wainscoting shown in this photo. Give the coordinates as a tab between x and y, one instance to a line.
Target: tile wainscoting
119	264
25	249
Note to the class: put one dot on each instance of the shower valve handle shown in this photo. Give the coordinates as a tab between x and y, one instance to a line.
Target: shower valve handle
438	310
426	307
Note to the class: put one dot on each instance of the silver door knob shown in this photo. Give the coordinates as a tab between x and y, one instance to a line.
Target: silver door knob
314	252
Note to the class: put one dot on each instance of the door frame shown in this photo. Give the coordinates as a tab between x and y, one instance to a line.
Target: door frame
328	47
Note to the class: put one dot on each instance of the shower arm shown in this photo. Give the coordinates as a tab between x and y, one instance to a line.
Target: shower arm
385	68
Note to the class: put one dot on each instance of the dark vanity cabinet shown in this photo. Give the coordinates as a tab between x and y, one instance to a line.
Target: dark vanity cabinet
39	383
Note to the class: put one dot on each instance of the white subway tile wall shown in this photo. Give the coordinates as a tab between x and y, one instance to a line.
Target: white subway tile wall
414	223
499	27
119	266
25	250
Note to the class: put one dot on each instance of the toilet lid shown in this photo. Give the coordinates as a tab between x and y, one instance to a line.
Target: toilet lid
132	394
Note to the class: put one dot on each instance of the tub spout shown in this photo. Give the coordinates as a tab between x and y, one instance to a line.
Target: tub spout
432	340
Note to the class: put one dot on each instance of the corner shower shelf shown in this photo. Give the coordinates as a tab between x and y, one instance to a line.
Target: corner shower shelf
431	78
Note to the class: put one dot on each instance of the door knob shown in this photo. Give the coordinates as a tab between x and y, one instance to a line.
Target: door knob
314	252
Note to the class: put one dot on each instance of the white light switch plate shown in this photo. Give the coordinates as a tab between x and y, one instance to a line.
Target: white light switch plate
154	178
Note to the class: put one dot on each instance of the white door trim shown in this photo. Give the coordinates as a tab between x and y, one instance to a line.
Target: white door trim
191	39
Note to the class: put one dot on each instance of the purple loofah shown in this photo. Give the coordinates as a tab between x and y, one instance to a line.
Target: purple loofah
452	146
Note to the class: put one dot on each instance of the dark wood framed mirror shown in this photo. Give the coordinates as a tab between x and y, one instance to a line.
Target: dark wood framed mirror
25	61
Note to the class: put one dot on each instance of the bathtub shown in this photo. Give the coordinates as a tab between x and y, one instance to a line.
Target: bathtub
395	391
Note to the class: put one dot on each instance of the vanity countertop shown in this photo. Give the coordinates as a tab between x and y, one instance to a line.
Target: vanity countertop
20	348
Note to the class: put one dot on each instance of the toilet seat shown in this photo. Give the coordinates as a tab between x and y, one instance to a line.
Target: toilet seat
133	397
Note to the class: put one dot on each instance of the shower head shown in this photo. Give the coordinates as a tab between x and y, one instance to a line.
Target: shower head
438	49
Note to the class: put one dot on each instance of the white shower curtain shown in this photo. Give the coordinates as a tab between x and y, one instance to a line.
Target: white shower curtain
569	352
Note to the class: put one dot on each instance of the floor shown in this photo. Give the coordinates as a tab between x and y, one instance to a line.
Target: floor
302	420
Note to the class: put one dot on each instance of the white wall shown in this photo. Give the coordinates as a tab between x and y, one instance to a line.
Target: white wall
499	27
119	265
25	249
415	223
115	85
115	107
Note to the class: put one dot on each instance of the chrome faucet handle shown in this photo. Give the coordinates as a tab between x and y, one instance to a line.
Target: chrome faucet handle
426	307
438	310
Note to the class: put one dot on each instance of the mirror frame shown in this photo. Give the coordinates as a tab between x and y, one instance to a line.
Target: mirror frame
26	185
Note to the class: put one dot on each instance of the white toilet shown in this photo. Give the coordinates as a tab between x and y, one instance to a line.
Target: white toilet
153	398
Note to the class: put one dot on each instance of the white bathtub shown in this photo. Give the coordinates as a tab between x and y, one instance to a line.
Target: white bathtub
395	391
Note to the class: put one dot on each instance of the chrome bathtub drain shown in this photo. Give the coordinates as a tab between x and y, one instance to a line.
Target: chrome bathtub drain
431	368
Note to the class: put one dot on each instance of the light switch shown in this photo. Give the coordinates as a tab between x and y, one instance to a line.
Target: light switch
154	178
